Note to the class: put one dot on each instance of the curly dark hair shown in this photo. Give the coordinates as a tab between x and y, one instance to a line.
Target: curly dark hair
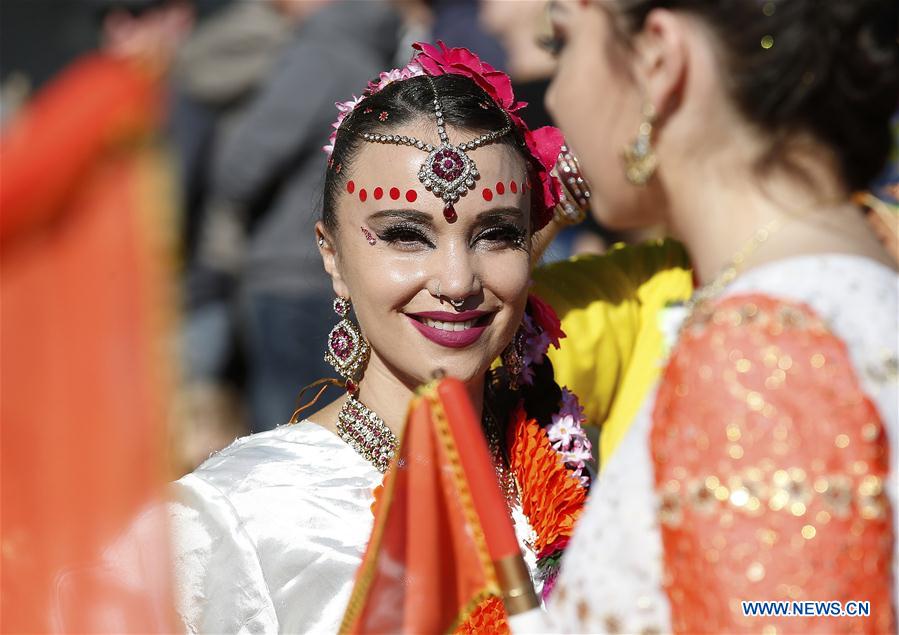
826	67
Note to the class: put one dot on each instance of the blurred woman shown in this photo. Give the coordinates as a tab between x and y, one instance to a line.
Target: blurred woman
760	468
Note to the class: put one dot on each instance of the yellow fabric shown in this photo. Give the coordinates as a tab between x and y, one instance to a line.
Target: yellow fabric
609	306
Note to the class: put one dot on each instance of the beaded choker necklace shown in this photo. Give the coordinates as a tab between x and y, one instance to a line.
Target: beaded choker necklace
362	428
366	433
448	172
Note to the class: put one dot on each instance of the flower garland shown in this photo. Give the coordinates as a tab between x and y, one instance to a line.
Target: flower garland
549	459
549	464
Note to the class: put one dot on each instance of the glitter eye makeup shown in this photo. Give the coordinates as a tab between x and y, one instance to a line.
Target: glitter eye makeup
369	237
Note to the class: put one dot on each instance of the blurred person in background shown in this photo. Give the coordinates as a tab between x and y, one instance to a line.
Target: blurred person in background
216	74
522	28
881	200
256	272
763	465
86	216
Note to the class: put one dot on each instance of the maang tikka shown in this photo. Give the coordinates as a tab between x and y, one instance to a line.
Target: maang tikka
448	172
347	349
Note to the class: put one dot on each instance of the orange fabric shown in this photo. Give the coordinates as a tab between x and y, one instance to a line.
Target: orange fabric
82	390
489	502
427	565
770	462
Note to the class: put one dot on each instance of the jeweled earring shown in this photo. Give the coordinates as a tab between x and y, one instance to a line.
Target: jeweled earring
347	349
640	160
513	358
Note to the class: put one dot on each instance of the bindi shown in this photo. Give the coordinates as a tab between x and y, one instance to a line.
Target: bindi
369	237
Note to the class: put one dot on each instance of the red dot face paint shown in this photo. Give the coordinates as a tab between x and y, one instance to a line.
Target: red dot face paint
378	193
350	187
363	195
369	238
487	194
514	187
411	195
500	188
395	193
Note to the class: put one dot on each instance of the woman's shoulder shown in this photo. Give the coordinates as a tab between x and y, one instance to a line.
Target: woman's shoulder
293	454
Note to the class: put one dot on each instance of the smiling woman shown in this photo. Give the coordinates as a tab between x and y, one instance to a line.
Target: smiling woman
270	531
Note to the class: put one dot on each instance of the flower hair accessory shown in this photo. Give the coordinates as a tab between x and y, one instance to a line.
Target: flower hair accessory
448	171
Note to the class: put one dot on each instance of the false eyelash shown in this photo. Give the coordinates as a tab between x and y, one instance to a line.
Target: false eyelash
511	234
401	233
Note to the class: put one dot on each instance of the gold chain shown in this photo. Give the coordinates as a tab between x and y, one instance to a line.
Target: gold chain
733	268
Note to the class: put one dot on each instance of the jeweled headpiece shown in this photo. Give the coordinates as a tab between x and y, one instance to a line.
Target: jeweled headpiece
449	172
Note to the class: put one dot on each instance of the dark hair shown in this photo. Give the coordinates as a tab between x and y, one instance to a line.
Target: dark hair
831	68
464	104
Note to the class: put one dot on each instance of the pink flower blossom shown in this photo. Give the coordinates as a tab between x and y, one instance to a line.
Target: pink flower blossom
571	406
344	108
412	69
561	430
545	144
536	342
546	319
441	60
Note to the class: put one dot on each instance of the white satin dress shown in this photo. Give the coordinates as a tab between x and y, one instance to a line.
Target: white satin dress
269	532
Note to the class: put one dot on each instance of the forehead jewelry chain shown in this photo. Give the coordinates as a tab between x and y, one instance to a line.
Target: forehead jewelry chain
448	172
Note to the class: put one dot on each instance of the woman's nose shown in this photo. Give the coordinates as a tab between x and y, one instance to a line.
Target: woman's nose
458	274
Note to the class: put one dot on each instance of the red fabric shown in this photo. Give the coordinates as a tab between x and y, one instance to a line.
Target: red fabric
82	384
770	462
428	565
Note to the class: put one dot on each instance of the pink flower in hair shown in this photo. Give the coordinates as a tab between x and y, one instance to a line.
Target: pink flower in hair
441	60
412	69
546	319
344	108
571	406
545	144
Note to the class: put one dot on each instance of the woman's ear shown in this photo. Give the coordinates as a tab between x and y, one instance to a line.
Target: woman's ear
330	259
662	60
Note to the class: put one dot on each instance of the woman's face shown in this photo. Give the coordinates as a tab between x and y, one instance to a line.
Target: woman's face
400	262
597	103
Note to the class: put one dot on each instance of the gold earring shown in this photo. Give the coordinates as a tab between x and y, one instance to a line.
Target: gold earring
640	160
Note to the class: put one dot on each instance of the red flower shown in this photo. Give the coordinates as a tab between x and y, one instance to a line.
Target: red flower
545	144
440	60
546	319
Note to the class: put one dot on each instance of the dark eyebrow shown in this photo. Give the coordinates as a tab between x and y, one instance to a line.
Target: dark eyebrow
413	215
500	214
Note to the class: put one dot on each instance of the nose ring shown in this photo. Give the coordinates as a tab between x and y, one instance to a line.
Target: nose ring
457	304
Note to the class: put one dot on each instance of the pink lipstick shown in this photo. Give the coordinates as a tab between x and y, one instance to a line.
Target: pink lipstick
453	330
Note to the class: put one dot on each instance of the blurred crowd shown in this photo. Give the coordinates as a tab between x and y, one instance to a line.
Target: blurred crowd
247	90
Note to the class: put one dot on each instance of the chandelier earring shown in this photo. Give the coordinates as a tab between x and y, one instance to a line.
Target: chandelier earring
640	160
513	358
347	350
